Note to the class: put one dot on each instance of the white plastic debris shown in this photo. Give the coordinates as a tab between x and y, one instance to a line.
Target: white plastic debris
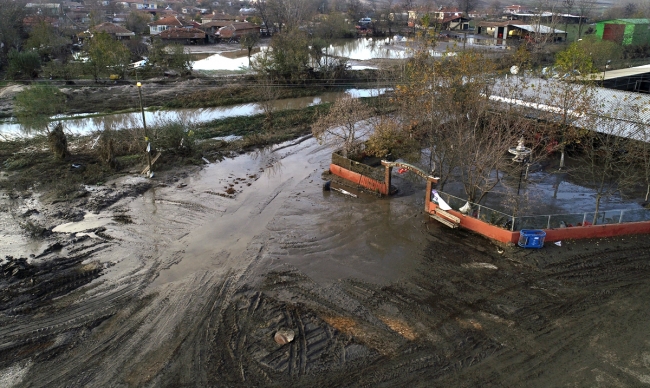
284	336
558	243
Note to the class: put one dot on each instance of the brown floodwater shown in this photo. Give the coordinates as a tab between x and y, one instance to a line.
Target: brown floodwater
211	265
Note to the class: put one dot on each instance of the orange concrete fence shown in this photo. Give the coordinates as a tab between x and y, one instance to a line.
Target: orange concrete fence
571	233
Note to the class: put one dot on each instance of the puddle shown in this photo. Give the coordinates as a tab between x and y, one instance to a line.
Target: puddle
90	221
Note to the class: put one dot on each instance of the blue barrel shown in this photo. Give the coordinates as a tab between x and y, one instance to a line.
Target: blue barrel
531	238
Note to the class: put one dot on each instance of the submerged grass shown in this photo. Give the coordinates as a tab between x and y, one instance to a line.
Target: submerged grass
28	163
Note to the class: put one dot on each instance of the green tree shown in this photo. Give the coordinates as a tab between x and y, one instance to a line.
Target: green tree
23	64
288	57
138	22
46	40
169	57
35	106
12	30
107	54
600	50
178	58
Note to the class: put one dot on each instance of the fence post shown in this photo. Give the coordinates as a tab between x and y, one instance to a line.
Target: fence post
478	213
548	224
512	225
620	220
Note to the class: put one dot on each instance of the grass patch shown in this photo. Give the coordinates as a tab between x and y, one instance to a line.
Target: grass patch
232	95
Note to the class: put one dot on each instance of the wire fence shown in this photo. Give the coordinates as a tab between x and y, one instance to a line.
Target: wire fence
548	221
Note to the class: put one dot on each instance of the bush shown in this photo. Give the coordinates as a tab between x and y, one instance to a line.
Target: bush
175	136
23	64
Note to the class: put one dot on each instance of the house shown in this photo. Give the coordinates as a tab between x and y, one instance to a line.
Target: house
183	35
211	29
515	29
190	10
234	31
114	30
31	21
221	17
45	9
515	9
626	32
450	18
139	4
248	11
447	12
168	22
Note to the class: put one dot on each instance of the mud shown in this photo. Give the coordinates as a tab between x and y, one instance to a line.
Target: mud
187	285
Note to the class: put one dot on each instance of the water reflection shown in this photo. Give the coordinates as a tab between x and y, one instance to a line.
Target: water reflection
223	61
368	48
81	126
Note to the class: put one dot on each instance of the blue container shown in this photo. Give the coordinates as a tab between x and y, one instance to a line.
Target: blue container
530	238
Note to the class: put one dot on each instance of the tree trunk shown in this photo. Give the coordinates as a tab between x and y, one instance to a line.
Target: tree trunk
597	208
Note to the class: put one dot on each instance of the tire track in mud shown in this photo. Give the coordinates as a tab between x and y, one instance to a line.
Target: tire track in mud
471	326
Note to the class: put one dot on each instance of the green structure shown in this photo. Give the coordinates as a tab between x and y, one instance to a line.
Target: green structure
625	31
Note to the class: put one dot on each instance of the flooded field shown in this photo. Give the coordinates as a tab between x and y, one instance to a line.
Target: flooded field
187	285
87	125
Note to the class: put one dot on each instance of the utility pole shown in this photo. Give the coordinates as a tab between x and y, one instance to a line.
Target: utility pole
146	135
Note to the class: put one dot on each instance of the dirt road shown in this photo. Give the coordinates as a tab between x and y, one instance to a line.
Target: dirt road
186	285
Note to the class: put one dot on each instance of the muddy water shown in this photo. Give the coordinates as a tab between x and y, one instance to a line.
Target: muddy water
193	289
88	125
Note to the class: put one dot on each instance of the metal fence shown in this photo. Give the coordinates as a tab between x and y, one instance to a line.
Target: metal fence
480	212
548	221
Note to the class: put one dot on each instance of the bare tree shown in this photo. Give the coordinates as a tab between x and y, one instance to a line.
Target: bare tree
568	6
584	8
603	163
343	126
569	97
291	13
467	5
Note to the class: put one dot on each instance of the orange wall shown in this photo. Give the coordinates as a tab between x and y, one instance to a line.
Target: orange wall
595	231
572	233
359	179
478	226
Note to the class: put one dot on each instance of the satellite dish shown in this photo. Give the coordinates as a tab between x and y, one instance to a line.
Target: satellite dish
514	69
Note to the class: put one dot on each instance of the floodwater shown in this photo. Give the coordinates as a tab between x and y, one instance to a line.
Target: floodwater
364	49
361	49
225	61
83	126
191	291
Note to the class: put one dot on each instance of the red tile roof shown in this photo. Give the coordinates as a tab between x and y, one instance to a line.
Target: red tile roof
182	33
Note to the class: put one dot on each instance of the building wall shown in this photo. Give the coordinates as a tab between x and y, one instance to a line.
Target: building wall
633	34
641	34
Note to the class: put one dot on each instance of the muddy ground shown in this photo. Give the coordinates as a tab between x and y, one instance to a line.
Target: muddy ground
184	280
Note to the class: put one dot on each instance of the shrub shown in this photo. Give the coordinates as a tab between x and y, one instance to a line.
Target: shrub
23	64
